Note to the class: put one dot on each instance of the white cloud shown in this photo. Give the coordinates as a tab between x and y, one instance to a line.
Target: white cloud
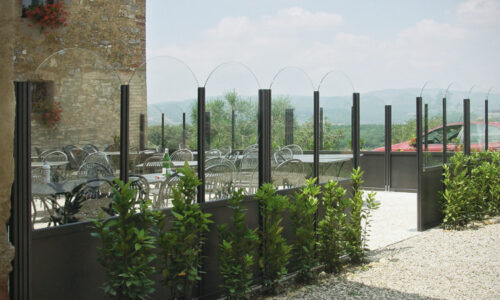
318	42
484	12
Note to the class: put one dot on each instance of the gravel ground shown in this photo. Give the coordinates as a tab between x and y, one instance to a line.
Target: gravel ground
436	264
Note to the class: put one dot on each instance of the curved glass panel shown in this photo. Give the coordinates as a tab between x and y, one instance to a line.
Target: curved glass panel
292	131
231	131
75	119
493	119
477	118
335	134
432	138
455	94
163	118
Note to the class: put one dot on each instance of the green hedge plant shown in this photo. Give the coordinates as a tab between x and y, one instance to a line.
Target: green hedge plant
128	241
303	212
181	246
275	251
237	246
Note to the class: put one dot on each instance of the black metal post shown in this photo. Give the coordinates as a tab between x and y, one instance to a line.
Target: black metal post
486	124
20	222
124	132
356	144
420	223
426	126
233	116
207	130
162	132
288	126
264	136
445	129
317	139
201	144
321	128
388	146
184	130
466	126
142	132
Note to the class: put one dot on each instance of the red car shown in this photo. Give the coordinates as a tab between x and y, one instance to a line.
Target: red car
455	138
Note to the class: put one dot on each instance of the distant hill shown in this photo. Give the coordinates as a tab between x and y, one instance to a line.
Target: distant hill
337	109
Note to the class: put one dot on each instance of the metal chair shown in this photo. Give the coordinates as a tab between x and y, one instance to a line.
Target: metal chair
247	172
182	155
87	201
101	158
296	149
224	151
58	172
219	181
152	164
213	153
289	174
141	186
166	194
89	148
92	170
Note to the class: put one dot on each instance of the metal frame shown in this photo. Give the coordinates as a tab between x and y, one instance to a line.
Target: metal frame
142	132
445	128
162	132
426	126
207	129
317	134
288	126
184	129
388	147
486	124
355	127
20	222
124	131
264	136
419	164
201	144
466	126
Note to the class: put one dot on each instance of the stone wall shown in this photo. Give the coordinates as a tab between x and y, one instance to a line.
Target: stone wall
110	35
7	17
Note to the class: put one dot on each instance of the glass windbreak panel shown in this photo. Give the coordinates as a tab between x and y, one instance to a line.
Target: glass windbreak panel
163	119
455	95
292	131
493	120
372	120
335	133
231	132
403	127
75	121
477	118
432	113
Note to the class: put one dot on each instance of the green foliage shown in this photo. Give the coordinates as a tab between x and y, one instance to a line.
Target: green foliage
275	251
331	239
237	245
303	212
472	188
357	229
173	136
181	246
127	244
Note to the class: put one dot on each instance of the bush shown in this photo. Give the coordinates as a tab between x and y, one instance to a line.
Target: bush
181	246
127	244
472	188
237	245
331	240
303	211
275	251
356	234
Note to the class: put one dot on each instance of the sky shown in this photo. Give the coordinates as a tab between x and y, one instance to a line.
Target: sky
384	44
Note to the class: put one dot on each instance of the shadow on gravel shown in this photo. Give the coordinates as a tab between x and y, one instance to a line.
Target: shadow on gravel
344	289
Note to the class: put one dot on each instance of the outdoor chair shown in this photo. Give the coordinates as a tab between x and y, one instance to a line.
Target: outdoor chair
93	170
296	149
219	181
213	153
251	148
289	174
99	157
89	148
75	156
87	201
165	193
282	155
225	150
57	173
141	186
152	164
247	172
182	155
